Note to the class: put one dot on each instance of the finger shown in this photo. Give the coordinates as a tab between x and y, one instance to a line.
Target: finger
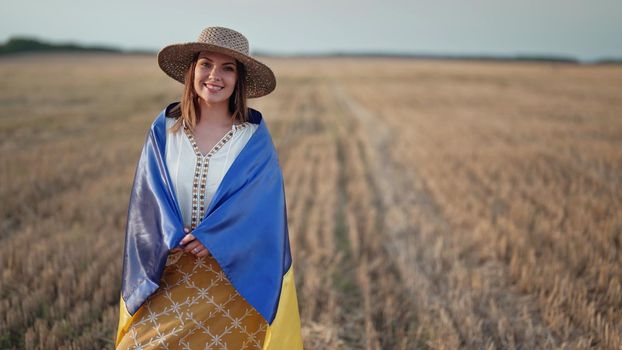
188	248
203	253
196	251
175	250
188	238
186	230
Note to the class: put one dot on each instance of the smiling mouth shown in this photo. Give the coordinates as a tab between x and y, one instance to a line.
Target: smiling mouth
213	87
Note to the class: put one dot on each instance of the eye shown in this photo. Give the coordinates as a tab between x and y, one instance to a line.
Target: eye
230	69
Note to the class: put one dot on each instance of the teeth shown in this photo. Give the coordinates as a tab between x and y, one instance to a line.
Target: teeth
215	87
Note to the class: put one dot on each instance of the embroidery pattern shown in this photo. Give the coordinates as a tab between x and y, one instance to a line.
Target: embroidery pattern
199	182
196	307
200	171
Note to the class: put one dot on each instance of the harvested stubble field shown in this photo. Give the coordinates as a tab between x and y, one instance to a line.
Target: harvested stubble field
432	204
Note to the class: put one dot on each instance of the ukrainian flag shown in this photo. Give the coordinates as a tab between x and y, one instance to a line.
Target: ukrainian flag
245	229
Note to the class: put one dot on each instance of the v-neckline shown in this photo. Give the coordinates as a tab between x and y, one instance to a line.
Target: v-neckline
217	146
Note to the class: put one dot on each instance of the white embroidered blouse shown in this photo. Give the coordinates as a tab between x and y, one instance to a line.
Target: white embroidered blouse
196	176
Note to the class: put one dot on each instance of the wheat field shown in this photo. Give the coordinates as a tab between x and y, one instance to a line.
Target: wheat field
432	204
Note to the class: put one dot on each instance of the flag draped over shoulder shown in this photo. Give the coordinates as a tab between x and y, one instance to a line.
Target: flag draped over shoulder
245	229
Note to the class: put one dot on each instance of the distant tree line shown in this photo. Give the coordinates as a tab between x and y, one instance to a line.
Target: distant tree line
26	44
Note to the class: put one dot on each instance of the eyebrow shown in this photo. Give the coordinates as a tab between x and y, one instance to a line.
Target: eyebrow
230	62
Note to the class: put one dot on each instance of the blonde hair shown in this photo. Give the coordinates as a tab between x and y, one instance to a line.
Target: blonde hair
189	105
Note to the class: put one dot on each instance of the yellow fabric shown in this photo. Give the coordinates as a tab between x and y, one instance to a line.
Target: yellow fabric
195	307
124	320
284	332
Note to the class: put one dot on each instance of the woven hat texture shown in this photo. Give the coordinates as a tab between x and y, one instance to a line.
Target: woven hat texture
175	59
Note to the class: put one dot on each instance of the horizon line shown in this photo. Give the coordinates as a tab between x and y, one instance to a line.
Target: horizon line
74	45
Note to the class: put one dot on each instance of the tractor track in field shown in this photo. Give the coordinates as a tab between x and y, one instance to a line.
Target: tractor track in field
408	249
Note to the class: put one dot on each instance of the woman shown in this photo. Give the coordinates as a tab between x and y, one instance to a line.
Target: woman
207	261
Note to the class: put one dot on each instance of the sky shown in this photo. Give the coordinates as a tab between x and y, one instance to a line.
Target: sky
586	30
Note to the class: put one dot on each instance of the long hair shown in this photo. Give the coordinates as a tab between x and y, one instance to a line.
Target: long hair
191	108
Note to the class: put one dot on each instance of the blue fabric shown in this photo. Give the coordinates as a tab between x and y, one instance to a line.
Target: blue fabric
245	226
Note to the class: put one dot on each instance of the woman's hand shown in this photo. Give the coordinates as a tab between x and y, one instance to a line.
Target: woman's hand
192	245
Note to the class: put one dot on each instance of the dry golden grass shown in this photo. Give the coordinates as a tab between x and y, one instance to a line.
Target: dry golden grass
432	204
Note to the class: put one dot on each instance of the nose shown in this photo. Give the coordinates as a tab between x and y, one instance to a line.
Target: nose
214	73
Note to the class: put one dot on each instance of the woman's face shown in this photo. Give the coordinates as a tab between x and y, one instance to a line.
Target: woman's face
215	76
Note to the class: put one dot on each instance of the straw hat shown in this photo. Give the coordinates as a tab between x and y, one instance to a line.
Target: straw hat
175	59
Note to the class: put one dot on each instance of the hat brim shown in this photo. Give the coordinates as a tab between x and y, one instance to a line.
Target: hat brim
175	60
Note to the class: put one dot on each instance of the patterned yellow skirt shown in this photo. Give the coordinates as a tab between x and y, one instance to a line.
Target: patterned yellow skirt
196	307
